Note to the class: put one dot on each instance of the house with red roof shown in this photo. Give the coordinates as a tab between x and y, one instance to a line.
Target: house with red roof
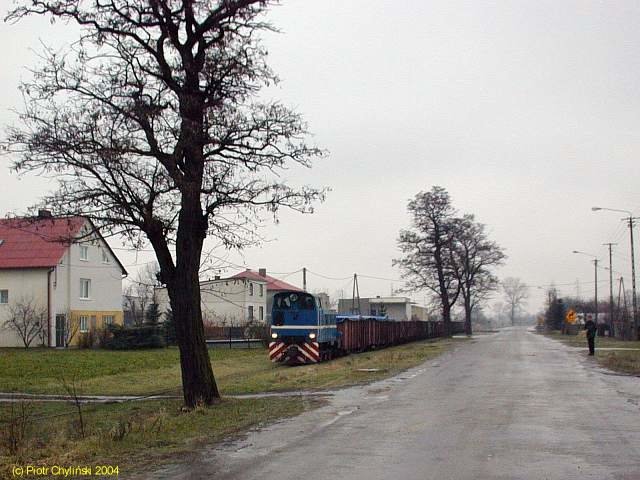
60	272
242	299
273	286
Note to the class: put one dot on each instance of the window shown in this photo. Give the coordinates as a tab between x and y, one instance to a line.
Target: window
85	288
250	312
261	313
84	323
105	256
250	289
4	296
107	320
261	290
84	252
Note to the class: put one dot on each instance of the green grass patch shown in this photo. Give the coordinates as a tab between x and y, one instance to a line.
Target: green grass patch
237	371
619	361
131	435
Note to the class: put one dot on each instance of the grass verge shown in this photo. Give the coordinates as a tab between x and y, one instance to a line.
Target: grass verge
136	434
131	435
624	361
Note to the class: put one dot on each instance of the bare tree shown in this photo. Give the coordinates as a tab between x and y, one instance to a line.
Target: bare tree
152	124
27	319
427	250
515	295
71	329
141	292
73	387
473	257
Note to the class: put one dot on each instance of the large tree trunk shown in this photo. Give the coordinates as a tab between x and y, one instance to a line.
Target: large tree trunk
467	316
198	382
446	317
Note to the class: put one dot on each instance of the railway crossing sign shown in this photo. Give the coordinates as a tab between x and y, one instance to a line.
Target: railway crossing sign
571	316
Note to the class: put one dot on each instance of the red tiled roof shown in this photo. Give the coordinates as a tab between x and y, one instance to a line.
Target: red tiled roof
272	283
36	242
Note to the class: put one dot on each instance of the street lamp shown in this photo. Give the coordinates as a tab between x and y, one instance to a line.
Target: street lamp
595	263
630	220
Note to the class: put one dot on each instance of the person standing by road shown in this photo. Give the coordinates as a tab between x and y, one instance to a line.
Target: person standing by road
591	328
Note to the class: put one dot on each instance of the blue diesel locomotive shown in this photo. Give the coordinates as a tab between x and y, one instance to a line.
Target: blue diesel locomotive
302	332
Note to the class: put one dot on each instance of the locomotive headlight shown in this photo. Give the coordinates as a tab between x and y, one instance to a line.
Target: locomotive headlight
312	336
274	335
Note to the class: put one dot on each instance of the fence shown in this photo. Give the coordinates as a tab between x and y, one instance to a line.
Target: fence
234	336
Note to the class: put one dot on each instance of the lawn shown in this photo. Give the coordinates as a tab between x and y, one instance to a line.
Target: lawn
617	360
136	434
237	371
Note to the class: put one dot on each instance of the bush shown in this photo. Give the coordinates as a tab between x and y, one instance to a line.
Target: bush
146	336
104	336
152	315
13	434
87	339
169	329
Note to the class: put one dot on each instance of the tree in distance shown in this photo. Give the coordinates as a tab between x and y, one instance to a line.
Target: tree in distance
473	257
447	255
515	295
152	125
427	250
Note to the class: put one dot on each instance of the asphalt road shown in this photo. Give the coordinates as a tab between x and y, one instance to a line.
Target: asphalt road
512	405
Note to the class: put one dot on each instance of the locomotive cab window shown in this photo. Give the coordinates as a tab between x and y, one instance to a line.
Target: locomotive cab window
295	301
283	302
308	303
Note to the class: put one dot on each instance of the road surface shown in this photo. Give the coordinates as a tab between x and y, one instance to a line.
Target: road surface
511	405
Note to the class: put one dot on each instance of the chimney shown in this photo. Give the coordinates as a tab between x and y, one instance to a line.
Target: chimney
42	213
262	272
217	277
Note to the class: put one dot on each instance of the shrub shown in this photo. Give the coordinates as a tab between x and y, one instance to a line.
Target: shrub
87	339
169	329
103	336
13	434
146	336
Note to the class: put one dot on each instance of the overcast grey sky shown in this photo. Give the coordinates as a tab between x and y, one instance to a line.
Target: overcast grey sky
527	112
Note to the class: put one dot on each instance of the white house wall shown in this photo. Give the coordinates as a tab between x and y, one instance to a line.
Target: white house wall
226	301
106	283
106	278
22	284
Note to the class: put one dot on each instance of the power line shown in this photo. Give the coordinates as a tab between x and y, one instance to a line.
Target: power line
327	277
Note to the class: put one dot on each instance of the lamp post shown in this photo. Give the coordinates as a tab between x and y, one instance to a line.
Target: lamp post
610	245
595	263
630	219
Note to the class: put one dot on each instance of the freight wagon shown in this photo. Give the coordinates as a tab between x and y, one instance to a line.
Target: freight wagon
302	332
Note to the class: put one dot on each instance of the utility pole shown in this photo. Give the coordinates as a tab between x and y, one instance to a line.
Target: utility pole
355	294
304	278
623	312
611	332
633	281
630	219
595	263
